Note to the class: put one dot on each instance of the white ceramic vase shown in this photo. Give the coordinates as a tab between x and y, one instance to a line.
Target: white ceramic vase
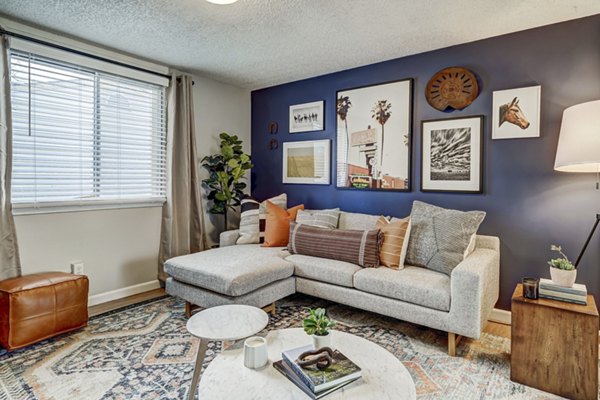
562	277
322	341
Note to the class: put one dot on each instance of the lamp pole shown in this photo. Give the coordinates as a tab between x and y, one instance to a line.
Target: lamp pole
588	240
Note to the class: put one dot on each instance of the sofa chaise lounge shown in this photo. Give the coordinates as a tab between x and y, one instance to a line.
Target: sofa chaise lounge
459	304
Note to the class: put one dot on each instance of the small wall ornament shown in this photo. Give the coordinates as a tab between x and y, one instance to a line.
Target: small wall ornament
452	88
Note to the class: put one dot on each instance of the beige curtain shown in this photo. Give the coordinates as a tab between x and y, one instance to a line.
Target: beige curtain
182	225
10	265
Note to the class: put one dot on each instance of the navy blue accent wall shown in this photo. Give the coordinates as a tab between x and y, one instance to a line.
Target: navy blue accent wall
528	204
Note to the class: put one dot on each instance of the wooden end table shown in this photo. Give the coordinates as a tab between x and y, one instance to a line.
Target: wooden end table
554	346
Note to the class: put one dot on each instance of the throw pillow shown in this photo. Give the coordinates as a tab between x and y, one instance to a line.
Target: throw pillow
395	241
320	218
277	227
356	247
439	237
253	217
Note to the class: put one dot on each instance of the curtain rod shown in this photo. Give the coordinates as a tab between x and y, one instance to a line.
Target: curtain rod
78	52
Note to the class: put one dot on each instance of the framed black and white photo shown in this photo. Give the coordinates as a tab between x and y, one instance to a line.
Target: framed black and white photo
516	113
307	117
452	155
307	161
374	137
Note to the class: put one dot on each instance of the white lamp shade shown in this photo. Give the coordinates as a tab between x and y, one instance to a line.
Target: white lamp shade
579	142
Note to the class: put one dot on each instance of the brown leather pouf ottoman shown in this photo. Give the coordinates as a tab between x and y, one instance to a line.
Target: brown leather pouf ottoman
38	306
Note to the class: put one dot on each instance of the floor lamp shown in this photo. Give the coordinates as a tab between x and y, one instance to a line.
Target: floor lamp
579	147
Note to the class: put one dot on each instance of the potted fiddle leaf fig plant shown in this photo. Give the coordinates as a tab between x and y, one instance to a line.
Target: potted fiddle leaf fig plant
226	169
318	325
562	270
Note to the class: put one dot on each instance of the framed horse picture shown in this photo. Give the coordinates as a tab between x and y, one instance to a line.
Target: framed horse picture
516	113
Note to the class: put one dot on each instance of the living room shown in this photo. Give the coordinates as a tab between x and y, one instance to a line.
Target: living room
192	190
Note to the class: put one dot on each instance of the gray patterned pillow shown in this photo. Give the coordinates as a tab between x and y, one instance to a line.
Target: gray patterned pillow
319	218
440	237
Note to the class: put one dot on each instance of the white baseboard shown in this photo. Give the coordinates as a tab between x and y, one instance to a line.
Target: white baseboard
123	292
500	316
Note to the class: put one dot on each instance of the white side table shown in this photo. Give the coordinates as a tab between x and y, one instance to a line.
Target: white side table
223	323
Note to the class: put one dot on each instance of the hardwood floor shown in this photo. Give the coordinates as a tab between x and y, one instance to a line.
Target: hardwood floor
497	329
493	328
124	302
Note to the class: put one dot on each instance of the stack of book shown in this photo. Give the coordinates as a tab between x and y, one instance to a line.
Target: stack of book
576	294
314	382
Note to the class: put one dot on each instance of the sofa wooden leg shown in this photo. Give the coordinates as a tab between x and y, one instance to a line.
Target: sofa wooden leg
453	340
189	309
270	308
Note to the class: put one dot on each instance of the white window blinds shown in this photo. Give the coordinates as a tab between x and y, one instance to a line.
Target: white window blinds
82	136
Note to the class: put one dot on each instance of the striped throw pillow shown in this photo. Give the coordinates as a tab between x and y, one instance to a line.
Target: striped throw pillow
395	241
254	216
356	247
319	218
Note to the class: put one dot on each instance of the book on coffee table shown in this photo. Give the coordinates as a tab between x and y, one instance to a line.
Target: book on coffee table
341	370
282	367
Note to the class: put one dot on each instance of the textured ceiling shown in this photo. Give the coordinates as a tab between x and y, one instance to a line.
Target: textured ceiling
259	43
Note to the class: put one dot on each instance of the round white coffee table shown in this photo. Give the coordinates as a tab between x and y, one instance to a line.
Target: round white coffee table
383	375
224	323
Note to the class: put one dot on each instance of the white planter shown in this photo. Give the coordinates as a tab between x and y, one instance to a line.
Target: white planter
562	277
322	341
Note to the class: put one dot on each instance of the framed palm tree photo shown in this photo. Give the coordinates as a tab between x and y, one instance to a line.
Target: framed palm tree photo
374	137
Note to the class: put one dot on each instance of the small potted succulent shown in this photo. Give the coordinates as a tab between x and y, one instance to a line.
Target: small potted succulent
318	324
562	270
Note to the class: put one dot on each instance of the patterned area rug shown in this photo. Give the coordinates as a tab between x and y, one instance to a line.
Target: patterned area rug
145	352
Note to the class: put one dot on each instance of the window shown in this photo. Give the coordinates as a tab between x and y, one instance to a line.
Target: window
84	137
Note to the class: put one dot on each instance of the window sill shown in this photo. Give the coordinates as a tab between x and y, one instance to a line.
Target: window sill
67	207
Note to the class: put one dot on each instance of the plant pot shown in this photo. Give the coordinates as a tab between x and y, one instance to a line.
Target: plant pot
322	341
563	277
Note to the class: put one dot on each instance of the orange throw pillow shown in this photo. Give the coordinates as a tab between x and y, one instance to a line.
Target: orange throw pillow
395	242
277	226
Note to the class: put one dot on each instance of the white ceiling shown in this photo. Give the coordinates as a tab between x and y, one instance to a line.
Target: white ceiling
260	43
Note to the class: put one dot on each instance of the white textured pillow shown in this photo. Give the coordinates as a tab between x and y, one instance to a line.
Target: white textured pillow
253	217
319	218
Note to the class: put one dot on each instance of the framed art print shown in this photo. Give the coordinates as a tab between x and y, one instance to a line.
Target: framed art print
452	155
374	135
307	117
307	162
516	113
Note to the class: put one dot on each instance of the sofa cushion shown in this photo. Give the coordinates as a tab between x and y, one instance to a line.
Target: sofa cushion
439	237
253	218
321	218
323	269
415	285
395	242
357	247
233	270
361	222
277	227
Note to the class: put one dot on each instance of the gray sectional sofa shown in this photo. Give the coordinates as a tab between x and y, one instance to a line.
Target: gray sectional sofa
459	304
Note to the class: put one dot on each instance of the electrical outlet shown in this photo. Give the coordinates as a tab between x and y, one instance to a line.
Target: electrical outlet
77	268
